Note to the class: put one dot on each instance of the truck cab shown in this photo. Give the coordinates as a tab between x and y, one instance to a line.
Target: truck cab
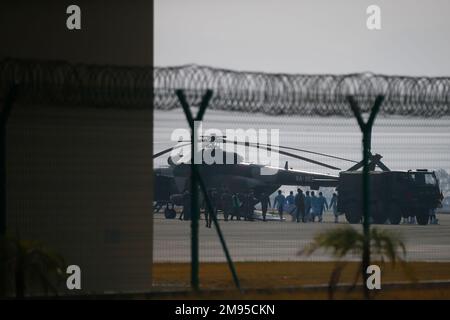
426	194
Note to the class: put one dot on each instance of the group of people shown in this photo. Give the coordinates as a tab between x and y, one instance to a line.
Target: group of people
233	205
305	207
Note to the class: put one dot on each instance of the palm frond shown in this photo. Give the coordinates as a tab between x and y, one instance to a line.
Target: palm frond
31	265
384	245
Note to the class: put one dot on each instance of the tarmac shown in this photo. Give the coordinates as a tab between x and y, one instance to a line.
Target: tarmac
282	240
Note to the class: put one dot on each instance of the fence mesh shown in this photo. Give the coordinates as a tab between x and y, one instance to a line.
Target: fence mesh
404	142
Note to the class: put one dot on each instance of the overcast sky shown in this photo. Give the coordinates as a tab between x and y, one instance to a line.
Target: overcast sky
305	36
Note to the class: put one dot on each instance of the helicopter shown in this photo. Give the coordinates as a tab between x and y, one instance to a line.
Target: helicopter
240	176
418	191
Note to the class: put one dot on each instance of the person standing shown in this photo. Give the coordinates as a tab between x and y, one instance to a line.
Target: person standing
433	219
290	205
265	204
227	205
186	212
250	208
300	206
278	203
212	196
315	207
307	207
290	199
243	208
333	204
323	204
202	200
236	206
217	202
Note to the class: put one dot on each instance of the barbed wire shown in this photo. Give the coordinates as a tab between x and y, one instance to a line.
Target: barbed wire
62	83
277	94
297	94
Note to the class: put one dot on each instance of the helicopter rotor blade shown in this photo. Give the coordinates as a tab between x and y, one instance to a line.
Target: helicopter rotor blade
292	148
156	155
270	147
308	151
284	153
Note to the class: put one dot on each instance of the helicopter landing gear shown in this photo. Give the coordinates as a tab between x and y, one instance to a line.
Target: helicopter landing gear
170	213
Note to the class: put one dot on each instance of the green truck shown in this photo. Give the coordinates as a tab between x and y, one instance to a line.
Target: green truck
393	195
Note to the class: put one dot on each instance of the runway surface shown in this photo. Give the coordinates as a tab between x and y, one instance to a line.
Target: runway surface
281	241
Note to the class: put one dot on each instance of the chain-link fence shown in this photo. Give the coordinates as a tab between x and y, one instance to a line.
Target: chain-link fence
77	179
311	111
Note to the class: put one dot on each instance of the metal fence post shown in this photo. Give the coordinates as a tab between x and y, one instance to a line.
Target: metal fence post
219	231
366	129
196	180
195	214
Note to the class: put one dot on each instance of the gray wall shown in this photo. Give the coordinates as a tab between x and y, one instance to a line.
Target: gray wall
112	32
79	178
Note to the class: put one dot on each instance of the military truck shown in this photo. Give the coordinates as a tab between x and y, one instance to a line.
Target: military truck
393	194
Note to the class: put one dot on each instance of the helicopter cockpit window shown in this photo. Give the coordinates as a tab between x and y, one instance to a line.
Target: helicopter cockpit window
427	178
430	179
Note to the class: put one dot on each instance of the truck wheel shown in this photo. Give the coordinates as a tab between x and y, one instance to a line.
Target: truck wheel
422	219
170	213
395	214
353	215
378	213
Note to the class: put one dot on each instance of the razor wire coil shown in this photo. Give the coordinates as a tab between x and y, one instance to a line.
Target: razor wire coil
276	94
